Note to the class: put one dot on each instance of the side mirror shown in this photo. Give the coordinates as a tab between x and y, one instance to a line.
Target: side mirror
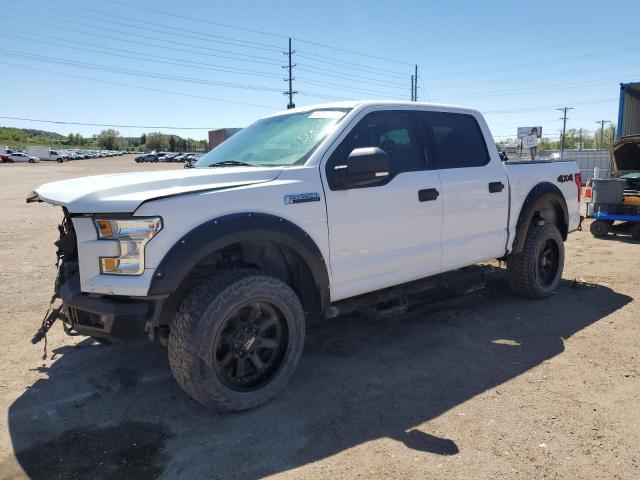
364	166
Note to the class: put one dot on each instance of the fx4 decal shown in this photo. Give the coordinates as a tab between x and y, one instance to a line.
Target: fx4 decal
301	198
565	178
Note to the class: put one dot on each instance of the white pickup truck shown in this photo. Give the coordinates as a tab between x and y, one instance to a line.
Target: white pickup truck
302	213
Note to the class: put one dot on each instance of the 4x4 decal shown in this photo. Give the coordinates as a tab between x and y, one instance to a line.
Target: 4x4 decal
565	178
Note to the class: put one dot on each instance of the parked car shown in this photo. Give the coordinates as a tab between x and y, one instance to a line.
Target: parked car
23	157
59	157
224	262
149	157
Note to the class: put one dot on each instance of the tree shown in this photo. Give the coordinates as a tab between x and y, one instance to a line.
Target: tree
172	143
157	141
143	139
108	139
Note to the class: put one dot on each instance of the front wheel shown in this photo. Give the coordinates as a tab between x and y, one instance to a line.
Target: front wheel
536	271
236	339
635	231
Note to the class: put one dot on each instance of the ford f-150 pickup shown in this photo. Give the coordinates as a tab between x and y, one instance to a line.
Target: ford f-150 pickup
295	216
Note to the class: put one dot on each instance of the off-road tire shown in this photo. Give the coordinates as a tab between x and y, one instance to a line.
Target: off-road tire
523	268
635	231
213	300
600	228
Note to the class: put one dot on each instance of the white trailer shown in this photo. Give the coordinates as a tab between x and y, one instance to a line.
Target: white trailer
43	153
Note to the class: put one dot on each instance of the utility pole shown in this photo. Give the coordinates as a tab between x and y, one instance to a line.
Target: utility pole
601	123
415	84
564	128
412	88
291	92
580	134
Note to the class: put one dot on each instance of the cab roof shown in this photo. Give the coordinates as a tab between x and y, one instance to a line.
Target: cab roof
351	104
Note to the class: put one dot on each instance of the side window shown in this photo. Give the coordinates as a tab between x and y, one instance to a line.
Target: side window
389	130
456	140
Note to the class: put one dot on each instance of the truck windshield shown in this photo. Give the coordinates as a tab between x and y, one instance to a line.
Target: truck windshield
283	140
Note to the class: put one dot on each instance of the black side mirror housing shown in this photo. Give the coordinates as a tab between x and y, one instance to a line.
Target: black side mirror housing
364	167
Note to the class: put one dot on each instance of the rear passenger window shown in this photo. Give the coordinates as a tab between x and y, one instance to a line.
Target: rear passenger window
455	140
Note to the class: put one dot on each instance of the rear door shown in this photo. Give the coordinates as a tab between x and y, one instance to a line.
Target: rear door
474	188
385	233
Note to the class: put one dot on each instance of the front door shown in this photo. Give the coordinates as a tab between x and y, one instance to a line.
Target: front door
389	232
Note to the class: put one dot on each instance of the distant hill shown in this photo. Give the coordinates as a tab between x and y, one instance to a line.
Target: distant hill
21	137
24	137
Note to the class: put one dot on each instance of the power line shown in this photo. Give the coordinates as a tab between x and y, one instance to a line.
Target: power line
158	90
546	107
148	57
545	89
166	29
455	85
228	54
571	59
334	60
364	69
424	89
60	122
554	47
347	76
137	73
261	32
345	88
147	74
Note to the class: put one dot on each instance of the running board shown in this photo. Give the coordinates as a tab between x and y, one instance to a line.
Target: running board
397	300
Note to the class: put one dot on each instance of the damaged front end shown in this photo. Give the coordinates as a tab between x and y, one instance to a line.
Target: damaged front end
67	267
104	317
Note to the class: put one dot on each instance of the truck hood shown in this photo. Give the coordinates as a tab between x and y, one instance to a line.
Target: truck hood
125	192
625	155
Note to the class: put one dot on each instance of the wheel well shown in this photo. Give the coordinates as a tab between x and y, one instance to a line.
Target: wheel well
266	256
551	211
544	203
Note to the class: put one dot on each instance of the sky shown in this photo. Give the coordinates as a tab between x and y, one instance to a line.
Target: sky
200	64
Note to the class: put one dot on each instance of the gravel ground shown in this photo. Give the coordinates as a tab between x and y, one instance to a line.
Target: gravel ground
490	386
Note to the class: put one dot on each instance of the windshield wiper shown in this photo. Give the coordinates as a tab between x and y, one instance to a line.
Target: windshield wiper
230	163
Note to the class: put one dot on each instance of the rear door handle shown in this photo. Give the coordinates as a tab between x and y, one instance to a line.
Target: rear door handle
428	194
495	187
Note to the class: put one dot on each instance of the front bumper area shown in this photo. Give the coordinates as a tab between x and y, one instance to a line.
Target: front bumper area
108	317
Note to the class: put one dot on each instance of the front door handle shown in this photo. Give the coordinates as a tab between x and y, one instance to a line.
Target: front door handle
428	194
495	187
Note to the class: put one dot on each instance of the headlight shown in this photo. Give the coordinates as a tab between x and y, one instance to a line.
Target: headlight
132	235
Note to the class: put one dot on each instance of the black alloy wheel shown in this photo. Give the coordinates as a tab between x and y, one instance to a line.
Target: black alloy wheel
548	262
250	346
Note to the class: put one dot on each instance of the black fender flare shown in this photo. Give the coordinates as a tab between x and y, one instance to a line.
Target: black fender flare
543	193
221	232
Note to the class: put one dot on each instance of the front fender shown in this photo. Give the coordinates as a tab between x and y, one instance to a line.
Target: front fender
221	232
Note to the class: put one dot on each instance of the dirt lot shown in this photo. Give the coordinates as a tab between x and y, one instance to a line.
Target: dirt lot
489	387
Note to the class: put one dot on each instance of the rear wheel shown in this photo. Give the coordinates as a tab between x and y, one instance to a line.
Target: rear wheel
236	339
635	231
600	228
536	271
